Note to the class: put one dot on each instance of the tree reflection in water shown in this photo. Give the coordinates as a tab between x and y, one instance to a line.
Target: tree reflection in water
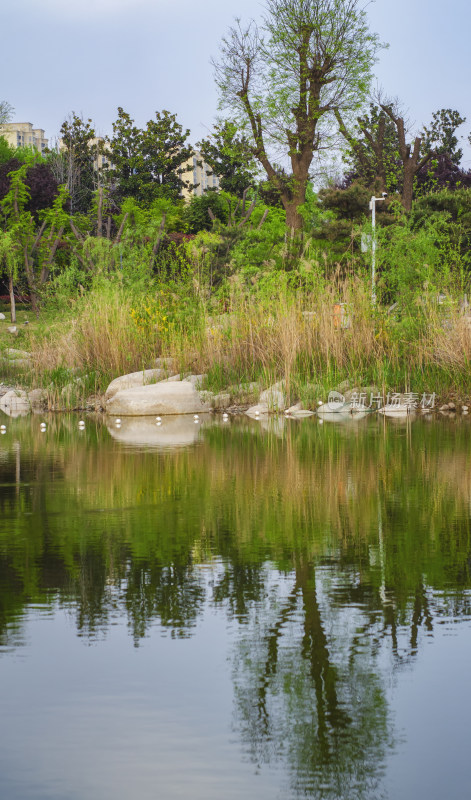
331	549
313	701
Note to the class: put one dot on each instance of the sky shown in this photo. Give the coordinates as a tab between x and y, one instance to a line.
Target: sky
91	56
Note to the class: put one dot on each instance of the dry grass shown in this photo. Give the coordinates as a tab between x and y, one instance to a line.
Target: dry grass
98	335
289	336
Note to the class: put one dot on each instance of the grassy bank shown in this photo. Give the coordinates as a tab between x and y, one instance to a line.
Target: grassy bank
279	329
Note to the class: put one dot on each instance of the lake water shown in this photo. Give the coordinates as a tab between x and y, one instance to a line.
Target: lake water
216	611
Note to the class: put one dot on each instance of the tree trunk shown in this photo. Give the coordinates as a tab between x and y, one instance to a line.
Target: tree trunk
294	220
294	234
31	284
12	299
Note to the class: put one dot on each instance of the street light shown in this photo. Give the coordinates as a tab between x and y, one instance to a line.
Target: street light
373	202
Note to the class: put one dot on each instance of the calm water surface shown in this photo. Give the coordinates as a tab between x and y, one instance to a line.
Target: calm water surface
262	610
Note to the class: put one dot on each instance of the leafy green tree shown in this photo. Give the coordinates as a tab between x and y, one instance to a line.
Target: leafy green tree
34	245
281	81
150	163
443	171
441	137
74	164
372	152
6	151
380	157
230	157
165	154
10	258
125	155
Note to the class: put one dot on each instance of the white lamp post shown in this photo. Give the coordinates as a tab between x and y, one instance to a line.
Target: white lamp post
373	202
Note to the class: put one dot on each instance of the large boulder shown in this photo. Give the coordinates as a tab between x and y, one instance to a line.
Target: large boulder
179	397
141	378
15	403
274	397
37	398
260	409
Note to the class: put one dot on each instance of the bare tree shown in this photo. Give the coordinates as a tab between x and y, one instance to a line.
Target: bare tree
281	80
410	153
6	111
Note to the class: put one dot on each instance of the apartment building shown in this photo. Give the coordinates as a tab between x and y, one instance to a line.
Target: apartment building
22	134
199	175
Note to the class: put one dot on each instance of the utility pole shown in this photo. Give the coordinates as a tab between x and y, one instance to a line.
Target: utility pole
373	202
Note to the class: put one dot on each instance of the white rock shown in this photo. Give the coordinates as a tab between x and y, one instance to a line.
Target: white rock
274	397
293	409
303	412
222	400
12	329
261	409
206	397
12	352
2	316
244	389
141	378
37	397
159	398
196	380
15	403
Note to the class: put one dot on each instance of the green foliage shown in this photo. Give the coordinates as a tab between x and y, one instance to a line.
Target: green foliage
454	205
422	258
281	81
230	157
7	152
196	214
441	137
148	164
10	253
77	161
260	247
372	151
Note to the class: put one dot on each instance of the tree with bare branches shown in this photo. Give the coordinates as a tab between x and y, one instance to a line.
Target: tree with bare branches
6	111
410	152
282	80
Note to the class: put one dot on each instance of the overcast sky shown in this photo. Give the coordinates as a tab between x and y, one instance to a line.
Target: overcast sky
91	56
